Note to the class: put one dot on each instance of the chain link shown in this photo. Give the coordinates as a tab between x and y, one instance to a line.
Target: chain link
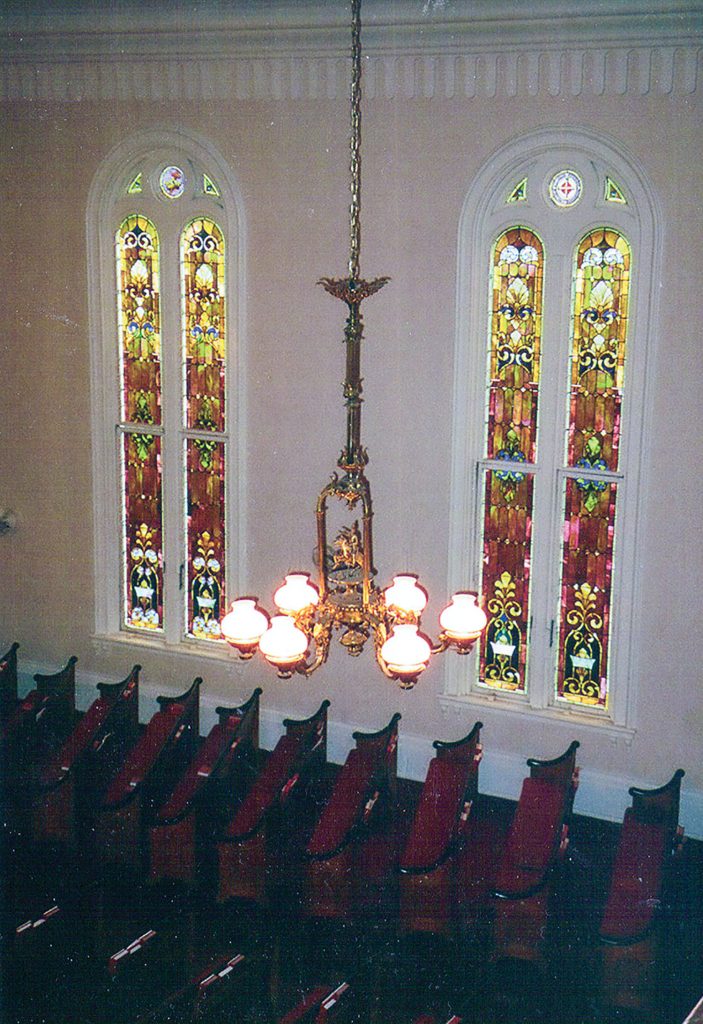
355	145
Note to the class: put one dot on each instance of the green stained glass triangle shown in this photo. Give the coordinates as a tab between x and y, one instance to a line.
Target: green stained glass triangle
613	192
209	186
135	185
519	193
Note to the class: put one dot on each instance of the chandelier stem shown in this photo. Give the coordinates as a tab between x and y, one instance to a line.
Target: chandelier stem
355	146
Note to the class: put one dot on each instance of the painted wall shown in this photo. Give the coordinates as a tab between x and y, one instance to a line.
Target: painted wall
289	157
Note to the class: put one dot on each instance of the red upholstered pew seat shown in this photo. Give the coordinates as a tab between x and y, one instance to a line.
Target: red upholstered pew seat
649	840
148	773
249	850
188	815
350	853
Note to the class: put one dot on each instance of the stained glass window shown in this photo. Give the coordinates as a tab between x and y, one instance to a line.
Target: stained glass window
205	462
139	320
519	193
599	333
142	536
203	266
598	349
507	532
586	577
203	286
515	341
613	192
511	439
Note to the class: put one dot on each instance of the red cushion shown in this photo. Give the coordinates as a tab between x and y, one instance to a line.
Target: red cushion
437	813
279	767
198	772
78	742
636	881
143	756
533	836
342	808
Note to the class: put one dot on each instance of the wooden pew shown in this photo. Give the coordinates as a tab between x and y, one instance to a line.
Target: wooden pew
629	931
67	783
536	841
361	805
150	770
190	814
321	1005
8	683
213	994
41	720
440	825
249	850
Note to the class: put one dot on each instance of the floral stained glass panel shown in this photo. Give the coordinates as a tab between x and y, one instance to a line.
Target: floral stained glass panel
205	487
586	581
507	538
137	251
598	349
203	282
515	340
143	534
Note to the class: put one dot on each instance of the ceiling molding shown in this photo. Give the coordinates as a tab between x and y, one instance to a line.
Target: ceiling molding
274	49
572	72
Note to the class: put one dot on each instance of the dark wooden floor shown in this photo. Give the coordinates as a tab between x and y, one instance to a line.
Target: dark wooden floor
395	976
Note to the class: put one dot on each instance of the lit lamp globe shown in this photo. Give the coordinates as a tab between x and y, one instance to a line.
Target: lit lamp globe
283	644
463	620
406	595
296	594
406	653
244	625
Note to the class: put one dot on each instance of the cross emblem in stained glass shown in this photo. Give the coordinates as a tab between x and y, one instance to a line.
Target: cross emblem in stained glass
565	189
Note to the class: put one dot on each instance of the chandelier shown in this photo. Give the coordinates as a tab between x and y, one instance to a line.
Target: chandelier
346	600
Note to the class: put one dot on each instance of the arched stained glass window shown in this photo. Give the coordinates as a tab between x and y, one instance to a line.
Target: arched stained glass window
511	448
549	424
204	346
137	257
597	364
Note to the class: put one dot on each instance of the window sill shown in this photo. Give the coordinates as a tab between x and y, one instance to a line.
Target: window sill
216	650
565	716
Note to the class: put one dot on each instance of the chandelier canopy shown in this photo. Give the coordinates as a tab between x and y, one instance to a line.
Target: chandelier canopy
346	600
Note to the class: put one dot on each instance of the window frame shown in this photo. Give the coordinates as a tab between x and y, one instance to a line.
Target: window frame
108	204
486	213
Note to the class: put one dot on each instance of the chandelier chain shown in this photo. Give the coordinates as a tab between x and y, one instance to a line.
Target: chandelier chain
355	145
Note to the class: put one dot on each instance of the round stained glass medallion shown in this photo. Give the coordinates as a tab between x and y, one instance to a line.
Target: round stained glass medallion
172	182
565	189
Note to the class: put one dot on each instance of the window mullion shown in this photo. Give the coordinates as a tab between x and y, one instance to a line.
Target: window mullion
172	454
546	538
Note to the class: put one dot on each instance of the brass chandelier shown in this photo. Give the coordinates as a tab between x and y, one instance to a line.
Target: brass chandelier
346	600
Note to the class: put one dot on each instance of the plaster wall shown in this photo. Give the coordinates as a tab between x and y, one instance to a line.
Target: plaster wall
289	158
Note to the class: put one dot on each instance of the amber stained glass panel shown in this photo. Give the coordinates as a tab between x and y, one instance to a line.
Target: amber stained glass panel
507	537
599	335
205	459
515	340
203	281
142	537
586	582
137	251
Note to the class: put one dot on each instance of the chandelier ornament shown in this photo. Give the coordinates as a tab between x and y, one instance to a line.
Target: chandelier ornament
346	600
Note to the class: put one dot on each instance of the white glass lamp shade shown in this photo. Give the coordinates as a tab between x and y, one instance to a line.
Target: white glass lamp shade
406	595
463	620
405	652
296	594
244	625
283	644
